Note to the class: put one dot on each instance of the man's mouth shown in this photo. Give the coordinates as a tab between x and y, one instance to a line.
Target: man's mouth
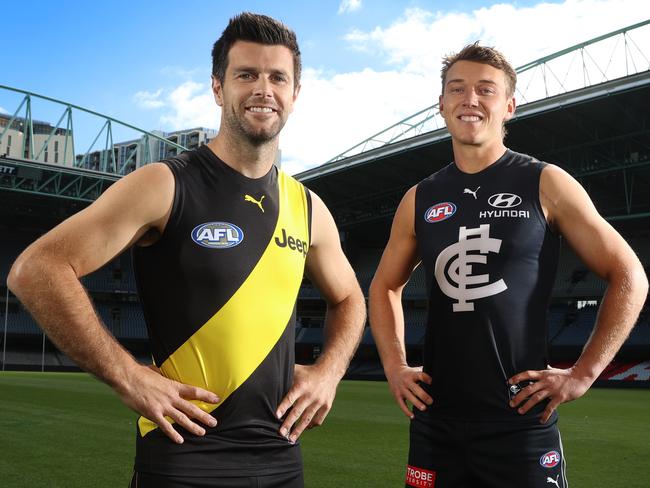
261	110
470	118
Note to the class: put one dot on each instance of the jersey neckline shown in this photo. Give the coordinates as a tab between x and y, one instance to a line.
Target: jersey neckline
220	162
504	157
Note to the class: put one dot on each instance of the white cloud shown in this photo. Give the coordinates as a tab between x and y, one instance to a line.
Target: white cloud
336	111
333	113
3	111
349	6
191	104
418	39
149	100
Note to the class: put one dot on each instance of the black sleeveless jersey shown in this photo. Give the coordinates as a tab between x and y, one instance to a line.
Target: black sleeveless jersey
218	291
490	260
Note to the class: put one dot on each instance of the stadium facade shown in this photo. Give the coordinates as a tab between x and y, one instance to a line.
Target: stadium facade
21	139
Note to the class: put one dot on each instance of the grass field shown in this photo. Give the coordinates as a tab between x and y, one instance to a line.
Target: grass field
68	430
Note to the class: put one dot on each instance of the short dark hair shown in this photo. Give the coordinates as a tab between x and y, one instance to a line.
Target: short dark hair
257	28
481	54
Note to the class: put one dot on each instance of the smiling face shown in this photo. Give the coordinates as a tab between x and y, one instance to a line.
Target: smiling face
257	93
475	103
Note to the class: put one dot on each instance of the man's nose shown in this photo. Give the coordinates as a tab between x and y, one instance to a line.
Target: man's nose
471	98
262	87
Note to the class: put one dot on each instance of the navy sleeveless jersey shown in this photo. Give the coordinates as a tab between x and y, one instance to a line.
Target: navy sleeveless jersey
490	260
218	291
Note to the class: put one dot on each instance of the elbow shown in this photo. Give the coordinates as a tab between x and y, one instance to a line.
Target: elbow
643	282
379	290
17	277
372	292
635	283
22	274
374	288
357	297
639	279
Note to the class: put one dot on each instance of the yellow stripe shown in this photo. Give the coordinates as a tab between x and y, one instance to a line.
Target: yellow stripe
226	350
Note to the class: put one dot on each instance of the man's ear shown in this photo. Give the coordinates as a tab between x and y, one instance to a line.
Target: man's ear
217	91
510	108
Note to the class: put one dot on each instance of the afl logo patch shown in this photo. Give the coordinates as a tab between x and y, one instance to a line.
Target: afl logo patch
550	459
217	235
439	212
504	200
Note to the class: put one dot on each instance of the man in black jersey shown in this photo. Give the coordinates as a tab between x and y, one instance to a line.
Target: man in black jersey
221	241
486	230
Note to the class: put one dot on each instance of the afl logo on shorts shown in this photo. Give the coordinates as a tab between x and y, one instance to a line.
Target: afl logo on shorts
439	212
217	235
550	459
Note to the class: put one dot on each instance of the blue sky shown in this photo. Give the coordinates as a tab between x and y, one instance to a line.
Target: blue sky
367	63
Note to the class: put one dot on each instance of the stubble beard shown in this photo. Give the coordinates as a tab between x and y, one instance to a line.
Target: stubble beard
244	131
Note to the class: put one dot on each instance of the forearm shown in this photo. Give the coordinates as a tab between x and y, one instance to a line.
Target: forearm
387	323
617	315
53	295
344	324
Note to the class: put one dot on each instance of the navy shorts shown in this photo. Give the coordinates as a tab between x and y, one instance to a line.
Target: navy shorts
285	480
454	453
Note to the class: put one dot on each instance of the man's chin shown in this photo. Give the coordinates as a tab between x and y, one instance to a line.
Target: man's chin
259	139
262	136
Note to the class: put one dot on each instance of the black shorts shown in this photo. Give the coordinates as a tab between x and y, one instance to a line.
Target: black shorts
285	480
453	453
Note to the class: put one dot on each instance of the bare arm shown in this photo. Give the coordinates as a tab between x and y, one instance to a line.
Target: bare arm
45	277
606	253
386	313
310	398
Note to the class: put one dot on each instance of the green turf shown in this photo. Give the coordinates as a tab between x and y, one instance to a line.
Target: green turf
68	430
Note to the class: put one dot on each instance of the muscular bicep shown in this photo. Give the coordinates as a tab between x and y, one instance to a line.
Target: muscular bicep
571	211
134	205
327	266
400	256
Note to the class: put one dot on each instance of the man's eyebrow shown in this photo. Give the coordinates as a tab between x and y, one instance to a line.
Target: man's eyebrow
256	70
279	72
244	68
460	80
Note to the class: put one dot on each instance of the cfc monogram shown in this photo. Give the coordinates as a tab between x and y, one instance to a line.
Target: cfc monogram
454	268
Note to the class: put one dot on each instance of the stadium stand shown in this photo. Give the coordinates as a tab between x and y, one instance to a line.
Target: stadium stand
114	290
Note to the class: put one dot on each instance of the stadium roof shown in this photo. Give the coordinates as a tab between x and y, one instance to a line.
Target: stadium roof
600	134
588	116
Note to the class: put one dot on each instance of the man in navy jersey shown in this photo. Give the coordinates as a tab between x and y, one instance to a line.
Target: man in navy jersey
486	229
222	238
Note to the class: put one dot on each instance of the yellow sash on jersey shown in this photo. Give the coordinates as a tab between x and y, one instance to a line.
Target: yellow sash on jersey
225	351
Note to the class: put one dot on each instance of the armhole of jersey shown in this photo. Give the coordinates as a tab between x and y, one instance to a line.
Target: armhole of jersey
415	211
172	222
309	212
538	202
